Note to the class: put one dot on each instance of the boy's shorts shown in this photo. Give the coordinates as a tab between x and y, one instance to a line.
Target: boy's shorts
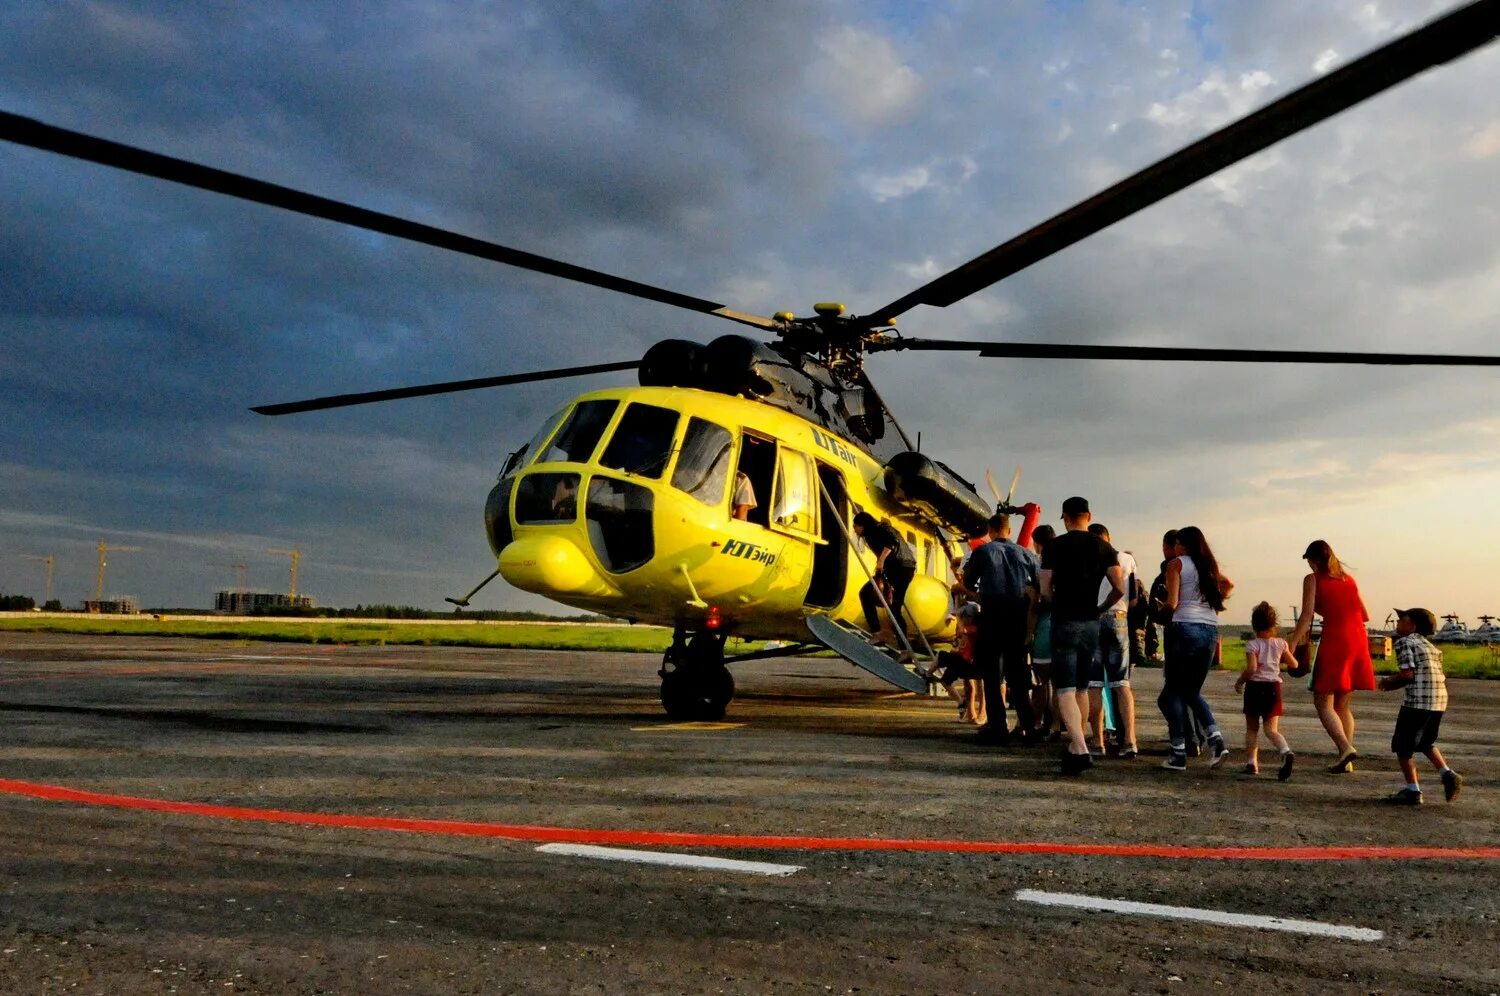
1041	643
1263	699
1416	731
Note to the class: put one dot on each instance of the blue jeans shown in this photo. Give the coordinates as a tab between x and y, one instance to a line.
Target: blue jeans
1073	647
1190	653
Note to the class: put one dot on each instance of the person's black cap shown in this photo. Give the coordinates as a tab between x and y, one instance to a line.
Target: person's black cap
1424	621
1075	506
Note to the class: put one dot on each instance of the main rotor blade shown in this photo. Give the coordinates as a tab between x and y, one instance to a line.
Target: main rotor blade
395	393
1442	40
1070	351
37	135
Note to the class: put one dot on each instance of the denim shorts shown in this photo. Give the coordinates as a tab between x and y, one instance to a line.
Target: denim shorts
1073	647
1112	659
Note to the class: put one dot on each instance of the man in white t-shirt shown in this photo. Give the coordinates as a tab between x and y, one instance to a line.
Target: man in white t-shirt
1112	660
744	496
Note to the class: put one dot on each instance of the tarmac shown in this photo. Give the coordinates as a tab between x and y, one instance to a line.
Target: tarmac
209	816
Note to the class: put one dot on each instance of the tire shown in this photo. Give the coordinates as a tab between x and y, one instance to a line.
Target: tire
696	697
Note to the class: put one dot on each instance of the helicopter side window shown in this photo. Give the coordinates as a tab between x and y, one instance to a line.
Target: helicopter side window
642	443
703	465
793	505
579	437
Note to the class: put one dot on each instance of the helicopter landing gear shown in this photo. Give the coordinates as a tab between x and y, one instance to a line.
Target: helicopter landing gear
695	684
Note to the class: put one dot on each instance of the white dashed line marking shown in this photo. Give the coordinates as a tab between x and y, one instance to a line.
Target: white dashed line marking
669	858
1075	901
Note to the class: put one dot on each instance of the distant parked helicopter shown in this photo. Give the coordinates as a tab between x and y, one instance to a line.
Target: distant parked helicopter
623	502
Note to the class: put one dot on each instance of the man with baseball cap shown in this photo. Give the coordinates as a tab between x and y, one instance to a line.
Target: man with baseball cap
1417	723
1074	565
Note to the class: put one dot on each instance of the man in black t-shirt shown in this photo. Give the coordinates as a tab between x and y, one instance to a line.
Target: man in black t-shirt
1073	567
895	566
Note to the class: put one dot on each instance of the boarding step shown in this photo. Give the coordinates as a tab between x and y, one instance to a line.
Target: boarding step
853	644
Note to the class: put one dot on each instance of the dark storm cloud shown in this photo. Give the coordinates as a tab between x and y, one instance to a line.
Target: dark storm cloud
765	156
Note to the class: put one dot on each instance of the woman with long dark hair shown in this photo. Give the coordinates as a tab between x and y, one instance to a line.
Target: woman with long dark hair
1343	664
1196	590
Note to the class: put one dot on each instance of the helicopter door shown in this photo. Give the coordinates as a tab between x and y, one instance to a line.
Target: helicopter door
831	557
794	503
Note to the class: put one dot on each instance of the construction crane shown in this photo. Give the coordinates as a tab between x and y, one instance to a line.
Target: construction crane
296	555
49	560
104	549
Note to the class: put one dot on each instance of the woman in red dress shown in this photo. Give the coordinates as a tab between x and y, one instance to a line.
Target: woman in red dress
1343	661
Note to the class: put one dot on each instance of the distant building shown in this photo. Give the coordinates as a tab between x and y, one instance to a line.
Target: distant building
244	603
120	605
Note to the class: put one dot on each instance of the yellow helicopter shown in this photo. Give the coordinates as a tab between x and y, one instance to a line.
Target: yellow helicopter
720	496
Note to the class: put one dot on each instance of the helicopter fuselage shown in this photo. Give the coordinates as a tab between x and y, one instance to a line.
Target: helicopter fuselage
623	504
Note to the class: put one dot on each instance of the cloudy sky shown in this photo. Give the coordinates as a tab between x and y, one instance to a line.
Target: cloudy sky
768	156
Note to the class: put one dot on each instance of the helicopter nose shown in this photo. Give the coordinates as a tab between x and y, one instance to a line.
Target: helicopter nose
549	564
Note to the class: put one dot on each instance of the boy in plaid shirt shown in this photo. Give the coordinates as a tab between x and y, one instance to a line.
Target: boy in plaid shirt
1421	714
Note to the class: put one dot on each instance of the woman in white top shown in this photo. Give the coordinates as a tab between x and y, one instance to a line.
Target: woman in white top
1195	594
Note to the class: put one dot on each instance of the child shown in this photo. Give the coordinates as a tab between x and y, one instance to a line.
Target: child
1261	683
959	676
1417	723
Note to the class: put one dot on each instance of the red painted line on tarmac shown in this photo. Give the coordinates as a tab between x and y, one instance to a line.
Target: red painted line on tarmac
661	838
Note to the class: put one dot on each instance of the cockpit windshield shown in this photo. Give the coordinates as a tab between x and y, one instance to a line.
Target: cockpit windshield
642	443
520	456
576	441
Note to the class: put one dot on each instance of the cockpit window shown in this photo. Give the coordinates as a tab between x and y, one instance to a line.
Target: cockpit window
547	498
576	441
619	524
520	456
703	464
642	443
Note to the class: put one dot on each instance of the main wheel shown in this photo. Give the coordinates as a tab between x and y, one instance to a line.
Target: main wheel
699	695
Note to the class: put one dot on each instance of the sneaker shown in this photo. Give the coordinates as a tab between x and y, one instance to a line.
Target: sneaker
1453	783
1287	760
1219	750
1076	764
1096	752
1177	761
1128	752
1343	765
1250	769
1405	797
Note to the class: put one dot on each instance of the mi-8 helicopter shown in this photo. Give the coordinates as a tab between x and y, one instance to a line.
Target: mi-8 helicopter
624	501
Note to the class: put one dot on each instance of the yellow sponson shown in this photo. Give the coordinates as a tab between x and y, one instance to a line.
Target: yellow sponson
829	308
784	316
551	565
927	603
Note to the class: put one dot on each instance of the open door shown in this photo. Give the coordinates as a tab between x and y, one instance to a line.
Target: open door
830	558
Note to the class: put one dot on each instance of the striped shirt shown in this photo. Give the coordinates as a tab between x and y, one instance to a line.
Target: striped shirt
1416	655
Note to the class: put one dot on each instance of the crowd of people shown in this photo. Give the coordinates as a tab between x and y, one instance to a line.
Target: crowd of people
1050	626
